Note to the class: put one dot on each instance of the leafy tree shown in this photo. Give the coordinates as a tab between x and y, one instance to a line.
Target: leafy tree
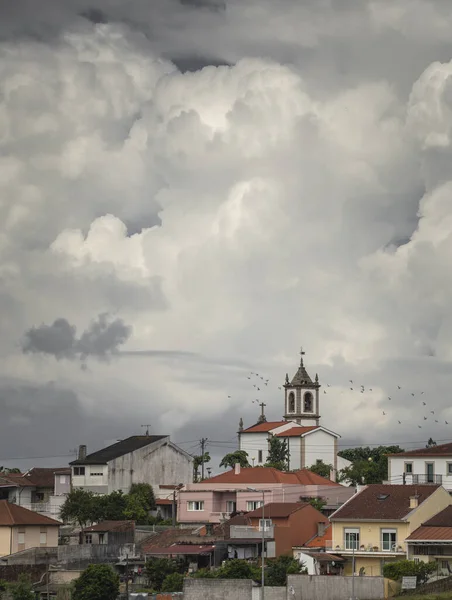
110	507
145	493
278	454
321	468
139	502
22	590
317	503
369	465
79	507
202	459
278	568
406	568
97	582
3	587
431	443
239	569
158	569
6	470
239	456
173	583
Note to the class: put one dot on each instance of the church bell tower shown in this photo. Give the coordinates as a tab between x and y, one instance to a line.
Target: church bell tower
301	400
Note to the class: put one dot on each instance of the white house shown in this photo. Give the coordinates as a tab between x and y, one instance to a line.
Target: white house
308	441
423	465
152	459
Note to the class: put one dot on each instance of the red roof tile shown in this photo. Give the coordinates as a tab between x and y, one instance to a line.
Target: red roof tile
431	534
296	431
253	475
12	514
111	526
263	427
183	549
39	477
277	510
441	519
323	541
383	501
163	501
440	450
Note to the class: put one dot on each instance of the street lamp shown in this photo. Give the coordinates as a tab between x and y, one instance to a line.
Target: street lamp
250	489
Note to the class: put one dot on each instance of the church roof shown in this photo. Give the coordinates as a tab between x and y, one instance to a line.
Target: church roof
264	427
301	377
296	431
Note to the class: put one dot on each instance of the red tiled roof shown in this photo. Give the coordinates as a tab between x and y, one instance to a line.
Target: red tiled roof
175	536
440	450
431	534
111	526
296	431
441	519
383	502
263	427
39	477
277	510
12	514
253	475
163	501
323	541
183	549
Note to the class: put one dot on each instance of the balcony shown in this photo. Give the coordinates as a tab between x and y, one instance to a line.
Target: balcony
412	478
246	532
381	549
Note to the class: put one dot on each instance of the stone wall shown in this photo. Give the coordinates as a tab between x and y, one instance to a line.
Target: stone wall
218	589
11	572
327	587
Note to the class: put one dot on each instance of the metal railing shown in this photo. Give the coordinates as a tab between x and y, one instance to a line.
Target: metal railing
247	532
423	479
368	548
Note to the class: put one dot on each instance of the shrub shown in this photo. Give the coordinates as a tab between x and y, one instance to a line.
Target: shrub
406	568
97	582
173	583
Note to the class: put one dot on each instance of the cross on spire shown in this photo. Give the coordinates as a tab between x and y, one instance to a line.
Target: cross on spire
302	353
262	405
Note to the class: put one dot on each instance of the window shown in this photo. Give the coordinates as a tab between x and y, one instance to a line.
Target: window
430	472
409	468
63	478
351	538
291	402
195	505
307	402
388	539
79	471
259	456
21	538
96	474
445	564
101	538
88	538
43	538
231	506
253	505
449	468
265	524
39	496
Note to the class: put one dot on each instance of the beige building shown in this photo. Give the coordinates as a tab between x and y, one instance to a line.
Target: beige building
21	529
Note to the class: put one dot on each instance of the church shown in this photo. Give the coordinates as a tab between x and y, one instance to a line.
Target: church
307	440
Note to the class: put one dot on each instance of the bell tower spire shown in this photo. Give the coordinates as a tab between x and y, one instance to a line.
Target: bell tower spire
301	399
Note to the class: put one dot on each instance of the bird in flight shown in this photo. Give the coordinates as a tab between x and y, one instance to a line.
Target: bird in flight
425	418
399	387
399	422
419	427
229	396
433	412
351	381
324	391
446	422
424	404
328	385
389	397
412	394
384	413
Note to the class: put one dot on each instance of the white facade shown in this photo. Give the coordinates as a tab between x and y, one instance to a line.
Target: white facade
417	469
90	477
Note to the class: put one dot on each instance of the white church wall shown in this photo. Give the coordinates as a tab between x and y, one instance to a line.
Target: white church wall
318	445
252	443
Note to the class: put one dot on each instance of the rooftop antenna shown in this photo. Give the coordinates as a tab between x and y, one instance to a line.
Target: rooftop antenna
147	428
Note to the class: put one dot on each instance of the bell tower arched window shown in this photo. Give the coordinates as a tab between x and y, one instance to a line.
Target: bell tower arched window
308	402
291	402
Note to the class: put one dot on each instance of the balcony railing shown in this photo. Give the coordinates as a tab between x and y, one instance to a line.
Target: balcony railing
368	549
246	532
415	478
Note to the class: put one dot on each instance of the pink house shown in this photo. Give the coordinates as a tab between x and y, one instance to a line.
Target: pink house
214	499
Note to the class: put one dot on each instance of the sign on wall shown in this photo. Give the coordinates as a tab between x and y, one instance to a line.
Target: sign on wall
409	583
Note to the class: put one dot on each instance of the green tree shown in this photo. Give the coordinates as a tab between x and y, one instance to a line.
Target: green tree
278	454
277	570
97	582
173	583
321	468
317	503
197	462
79	507
409	568
239	456
22	590
431	443
110	507
139	502
6	470
158	569
3	587
369	465
238	569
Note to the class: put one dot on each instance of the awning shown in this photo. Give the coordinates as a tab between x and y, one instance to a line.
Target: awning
325	557
181	549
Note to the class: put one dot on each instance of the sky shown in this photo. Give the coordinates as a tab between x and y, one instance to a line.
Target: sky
190	190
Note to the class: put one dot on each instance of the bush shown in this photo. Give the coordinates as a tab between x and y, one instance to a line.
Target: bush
173	583
97	582
157	569
406	568
22	590
278	569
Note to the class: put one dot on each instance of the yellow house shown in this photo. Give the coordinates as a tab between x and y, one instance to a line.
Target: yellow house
21	529
371	528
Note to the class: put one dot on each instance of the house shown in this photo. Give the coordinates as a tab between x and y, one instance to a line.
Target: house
423	465
432	541
40	489
217	498
116	533
307	440
375	523
21	529
152	459
319	563
283	526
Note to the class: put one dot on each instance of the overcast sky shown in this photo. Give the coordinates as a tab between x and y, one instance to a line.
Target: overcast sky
192	189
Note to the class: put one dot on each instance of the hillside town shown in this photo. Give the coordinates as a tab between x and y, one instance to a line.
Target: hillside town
149	510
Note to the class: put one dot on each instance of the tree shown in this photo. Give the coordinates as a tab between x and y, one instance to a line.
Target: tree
278	454
173	583
239	456
406	568
110	507
22	590
139	502
197	462
158	569
369	465
3	587
6	470
431	443
321	468
97	582
79	506
238	569
278	568
317	503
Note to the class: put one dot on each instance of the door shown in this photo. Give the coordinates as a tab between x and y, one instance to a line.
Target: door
430	472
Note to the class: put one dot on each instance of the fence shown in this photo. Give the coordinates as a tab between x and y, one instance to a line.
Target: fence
72	555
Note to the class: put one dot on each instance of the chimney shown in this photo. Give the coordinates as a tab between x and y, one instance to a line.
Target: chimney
81	452
414	501
237	469
321	526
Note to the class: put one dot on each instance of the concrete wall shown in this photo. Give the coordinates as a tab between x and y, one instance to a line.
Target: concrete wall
5	541
159	463
32	537
94	479
62	484
326	587
271	593
218	589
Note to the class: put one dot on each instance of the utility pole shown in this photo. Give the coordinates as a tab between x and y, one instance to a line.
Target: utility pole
48	576
203	442
174	509
147	428
127	576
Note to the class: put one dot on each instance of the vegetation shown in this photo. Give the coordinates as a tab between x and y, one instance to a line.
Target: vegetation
370	465
407	568
322	469
197	462
97	582
438	596
158	570
173	583
22	590
276	570
3	586
431	443
83	507
318	503
278	454
6	470
230	460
